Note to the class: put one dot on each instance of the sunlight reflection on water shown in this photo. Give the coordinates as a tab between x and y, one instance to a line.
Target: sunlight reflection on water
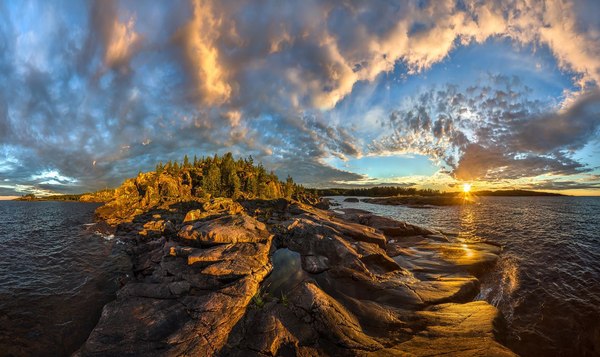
547	280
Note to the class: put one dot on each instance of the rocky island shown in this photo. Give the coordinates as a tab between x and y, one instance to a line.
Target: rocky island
232	262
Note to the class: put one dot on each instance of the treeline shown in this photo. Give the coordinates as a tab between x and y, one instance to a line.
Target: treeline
224	176
379	191
387	191
516	193
32	197
98	196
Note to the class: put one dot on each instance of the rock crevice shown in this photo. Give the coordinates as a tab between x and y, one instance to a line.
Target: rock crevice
354	284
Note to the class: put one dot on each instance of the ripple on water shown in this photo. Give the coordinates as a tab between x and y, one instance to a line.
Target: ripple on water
55	276
547	280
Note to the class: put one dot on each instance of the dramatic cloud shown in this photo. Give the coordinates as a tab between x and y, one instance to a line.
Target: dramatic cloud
97	91
199	40
493	132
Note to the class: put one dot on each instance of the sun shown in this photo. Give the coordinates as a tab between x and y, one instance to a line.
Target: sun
466	187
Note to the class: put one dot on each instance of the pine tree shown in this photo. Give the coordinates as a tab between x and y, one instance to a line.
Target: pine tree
211	183
228	175
289	187
236	185
252	185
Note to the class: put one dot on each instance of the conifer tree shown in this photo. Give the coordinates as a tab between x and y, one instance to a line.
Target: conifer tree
289	187
211	183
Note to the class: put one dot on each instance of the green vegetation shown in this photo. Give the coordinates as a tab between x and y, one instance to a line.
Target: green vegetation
224	176
284	299
515	193
98	196
32	197
27	197
389	191
260	298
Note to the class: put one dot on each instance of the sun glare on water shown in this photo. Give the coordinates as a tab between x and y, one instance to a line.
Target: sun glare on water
466	187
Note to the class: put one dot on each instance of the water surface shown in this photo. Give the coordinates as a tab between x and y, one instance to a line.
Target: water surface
547	281
56	274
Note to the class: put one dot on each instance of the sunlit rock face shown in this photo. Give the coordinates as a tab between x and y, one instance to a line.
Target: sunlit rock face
136	195
282	278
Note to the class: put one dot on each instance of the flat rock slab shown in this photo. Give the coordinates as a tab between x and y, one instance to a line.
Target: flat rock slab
238	228
446	289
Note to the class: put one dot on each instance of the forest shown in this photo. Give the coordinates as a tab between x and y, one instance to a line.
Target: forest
379	191
224	176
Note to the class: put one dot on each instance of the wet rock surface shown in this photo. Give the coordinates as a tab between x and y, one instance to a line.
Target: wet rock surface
266	278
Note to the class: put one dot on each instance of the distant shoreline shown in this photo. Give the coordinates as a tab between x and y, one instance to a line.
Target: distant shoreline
106	195
391	191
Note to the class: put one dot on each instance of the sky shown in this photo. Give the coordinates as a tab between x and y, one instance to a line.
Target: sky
427	94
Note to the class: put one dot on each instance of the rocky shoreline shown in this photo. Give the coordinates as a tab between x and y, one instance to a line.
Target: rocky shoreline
351	284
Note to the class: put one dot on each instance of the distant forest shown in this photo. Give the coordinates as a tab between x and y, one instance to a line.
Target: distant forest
387	191
516	193
32	197
98	196
380	191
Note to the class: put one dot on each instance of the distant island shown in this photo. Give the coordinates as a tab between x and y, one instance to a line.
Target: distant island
388	191
98	196
516	193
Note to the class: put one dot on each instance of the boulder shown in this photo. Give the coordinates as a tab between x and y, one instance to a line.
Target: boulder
236	228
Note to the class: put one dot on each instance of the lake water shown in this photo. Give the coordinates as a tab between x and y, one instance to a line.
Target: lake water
547	280
56	274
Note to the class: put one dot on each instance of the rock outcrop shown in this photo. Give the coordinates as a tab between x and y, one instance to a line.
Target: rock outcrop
266	278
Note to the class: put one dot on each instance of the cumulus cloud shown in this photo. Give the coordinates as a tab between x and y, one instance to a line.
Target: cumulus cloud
493	132
99	90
